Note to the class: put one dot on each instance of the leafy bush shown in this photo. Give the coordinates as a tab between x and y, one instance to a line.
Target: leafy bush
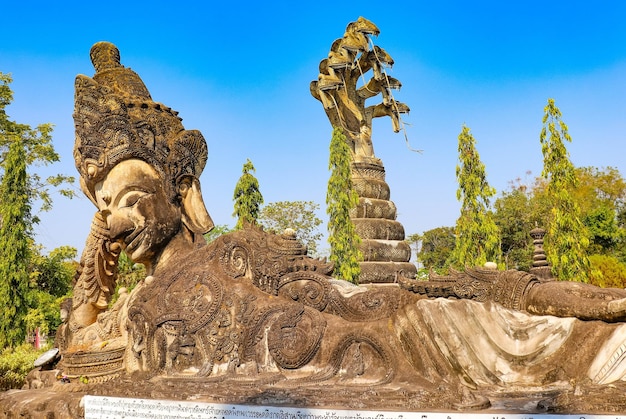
607	271
50	283
15	364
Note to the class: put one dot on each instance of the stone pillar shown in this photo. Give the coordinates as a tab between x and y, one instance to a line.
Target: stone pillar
540	268
385	253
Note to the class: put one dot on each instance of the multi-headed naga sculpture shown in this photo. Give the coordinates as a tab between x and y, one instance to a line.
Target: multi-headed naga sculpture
351	58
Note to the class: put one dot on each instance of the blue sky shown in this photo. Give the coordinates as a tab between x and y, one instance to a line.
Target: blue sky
240	73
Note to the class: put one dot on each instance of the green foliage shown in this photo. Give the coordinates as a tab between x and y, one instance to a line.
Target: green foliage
15	236
53	273
247	197
50	283
516	214
297	215
44	313
600	195
15	364
436	247
21	147
423	274
38	148
604	233
477	235
567	238
217	231
340	198
607	271
129	274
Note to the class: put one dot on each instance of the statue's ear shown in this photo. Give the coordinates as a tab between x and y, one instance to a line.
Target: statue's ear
194	213
87	192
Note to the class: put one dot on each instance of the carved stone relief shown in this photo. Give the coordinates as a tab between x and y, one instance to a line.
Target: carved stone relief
250	318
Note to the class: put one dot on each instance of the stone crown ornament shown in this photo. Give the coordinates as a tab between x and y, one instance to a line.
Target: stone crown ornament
116	120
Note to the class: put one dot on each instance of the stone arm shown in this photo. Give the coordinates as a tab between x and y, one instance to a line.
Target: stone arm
523	291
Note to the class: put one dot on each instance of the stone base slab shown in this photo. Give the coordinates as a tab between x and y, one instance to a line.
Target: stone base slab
116	407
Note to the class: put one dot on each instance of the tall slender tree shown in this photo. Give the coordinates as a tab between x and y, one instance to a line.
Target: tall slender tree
247	197
15	236
20	147
38	148
340	198
567	238
477	236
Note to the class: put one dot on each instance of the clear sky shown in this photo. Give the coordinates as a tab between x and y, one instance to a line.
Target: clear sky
240	73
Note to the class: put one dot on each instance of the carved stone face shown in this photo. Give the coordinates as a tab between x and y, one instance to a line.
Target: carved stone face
138	213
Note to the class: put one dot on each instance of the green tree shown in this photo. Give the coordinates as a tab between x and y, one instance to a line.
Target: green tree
605	186
436	246
511	216
607	271
477	235
340	198
297	215
605	236
567	239
53	273
516	212
39	150
247	197
44	313
20	147
15	238
600	195
50	283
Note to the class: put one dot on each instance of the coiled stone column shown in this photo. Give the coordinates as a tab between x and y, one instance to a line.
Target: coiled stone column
385	253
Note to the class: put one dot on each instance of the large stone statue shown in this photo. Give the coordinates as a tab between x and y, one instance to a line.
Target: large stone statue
250	318
343	90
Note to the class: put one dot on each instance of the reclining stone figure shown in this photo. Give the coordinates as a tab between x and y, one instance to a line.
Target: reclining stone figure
251	304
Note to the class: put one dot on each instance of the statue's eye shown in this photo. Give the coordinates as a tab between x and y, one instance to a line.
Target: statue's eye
131	199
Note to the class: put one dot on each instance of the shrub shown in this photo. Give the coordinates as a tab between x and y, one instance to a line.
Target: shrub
15	364
607	271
